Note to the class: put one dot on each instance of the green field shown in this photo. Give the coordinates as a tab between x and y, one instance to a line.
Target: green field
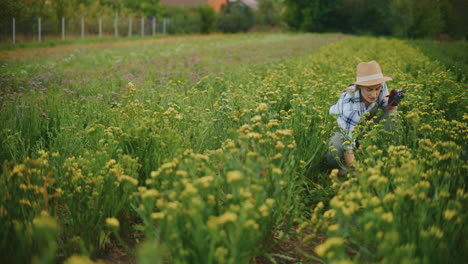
209	149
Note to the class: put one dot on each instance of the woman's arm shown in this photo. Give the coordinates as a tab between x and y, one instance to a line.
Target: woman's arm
349	158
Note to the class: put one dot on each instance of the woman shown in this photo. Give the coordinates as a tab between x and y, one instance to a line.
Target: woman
366	95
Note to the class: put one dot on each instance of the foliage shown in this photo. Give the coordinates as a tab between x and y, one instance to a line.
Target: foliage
269	12
309	15
235	17
183	20
99	141
451	54
212	147
404	202
145	7
207	17
402	18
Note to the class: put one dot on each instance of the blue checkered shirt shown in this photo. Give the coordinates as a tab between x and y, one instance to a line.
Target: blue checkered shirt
350	108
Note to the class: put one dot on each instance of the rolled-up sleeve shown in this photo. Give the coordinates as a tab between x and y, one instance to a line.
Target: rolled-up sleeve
348	118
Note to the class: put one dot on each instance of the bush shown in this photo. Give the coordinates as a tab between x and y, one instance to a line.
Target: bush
183	20
269	12
235	17
207	17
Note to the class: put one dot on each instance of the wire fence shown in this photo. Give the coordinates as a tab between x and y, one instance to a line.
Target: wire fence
41	30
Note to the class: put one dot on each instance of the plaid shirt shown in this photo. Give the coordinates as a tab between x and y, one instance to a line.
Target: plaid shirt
350	108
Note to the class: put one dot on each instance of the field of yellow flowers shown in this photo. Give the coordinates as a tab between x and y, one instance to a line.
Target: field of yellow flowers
209	150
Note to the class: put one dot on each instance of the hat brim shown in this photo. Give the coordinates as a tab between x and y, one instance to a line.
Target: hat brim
374	82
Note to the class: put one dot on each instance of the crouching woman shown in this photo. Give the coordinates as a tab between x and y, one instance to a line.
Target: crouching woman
366	95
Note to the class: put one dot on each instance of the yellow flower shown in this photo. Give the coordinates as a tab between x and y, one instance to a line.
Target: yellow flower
264	210
76	259
243	128
181	173
436	231
205	181
277	156
333	228
388	217
220	255
251	223
45	221
254	135
112	222
319	206
202	157
390	197
25	202
284	132
233	176
272	123
375	201
256	118
227	217
270	202
262	107
279	145
322	249
449	214
277	171
189	189
18	169
157	215
128	179
330	214
152	193
111	162
214	222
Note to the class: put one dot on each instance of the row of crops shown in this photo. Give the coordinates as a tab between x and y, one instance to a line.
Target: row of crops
209	150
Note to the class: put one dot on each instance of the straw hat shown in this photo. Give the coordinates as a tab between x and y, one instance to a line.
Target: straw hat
369	73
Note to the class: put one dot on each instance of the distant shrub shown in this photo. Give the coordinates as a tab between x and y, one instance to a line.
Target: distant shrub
183	20
207	18
186	20
235	17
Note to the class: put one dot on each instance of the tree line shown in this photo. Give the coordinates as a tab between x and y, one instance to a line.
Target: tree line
401	18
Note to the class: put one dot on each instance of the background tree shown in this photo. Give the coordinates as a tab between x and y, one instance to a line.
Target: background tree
235	17
401	18
310	15
207	17
145	7
270	12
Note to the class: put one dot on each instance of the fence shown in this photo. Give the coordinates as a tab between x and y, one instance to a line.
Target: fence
81	28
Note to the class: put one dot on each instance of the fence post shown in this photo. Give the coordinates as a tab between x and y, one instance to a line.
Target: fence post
130	26
142	26
153	26
164	25
39	33
63	28
100	27
116	25
14	31
82	27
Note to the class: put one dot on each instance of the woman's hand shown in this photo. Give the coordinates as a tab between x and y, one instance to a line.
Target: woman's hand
390	107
